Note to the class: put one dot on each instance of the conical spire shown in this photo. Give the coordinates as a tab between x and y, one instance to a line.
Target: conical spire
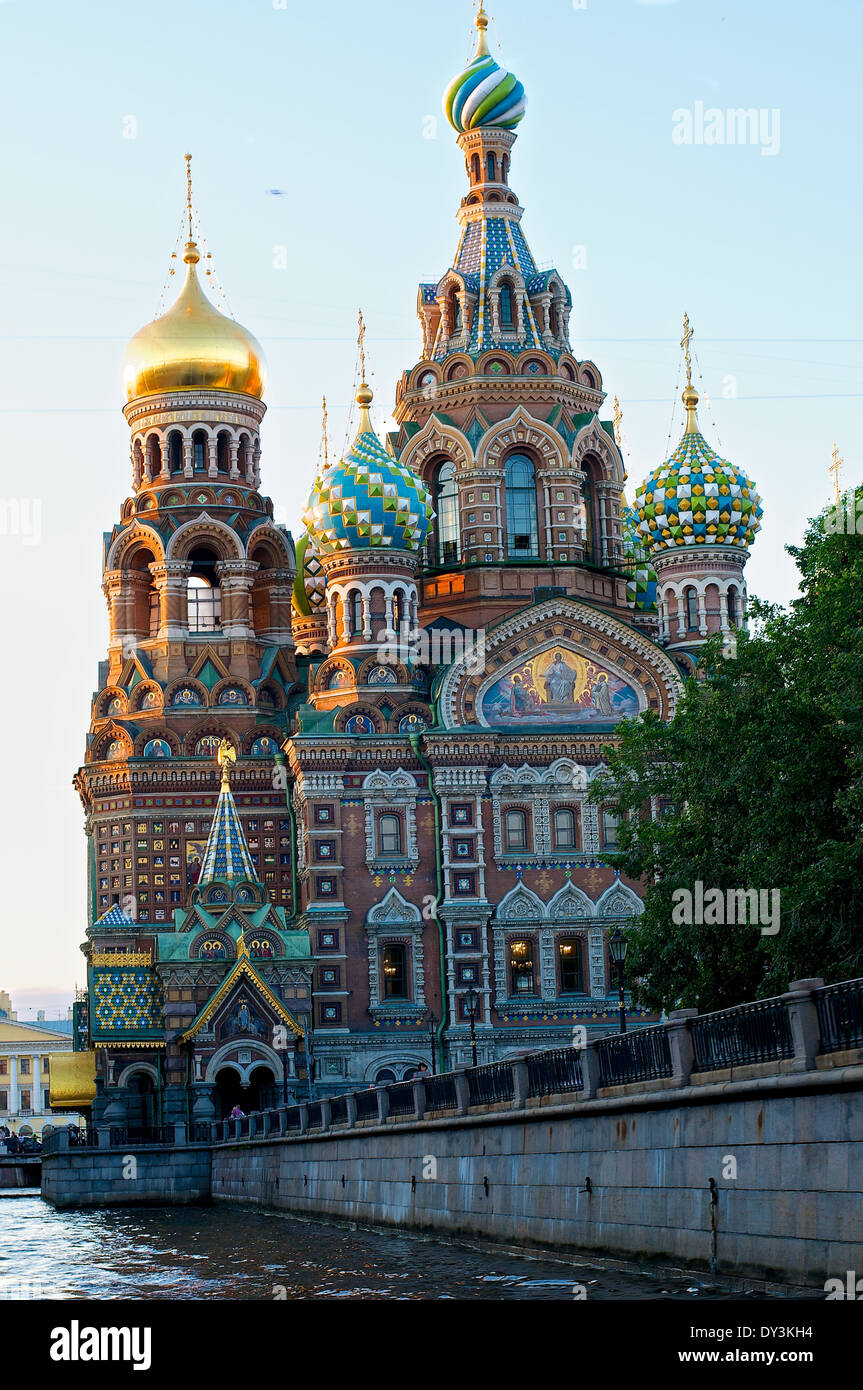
227	855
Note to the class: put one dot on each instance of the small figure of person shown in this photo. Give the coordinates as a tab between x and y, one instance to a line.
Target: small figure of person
237	1113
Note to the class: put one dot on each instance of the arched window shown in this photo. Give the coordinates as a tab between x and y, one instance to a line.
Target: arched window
384	1075
521	966
733	610
356	614
474	168
504	168
507	319
243	455
394	970
516	831
565	836
398	610
455	313
691	608
571	974
204	593
389	834
223	452
199	451
490	165
175	451
521	523
446	510
154	458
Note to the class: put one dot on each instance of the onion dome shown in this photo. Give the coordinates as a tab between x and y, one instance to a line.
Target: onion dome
367	500
310	585
193	346
642	581
696	497
484	94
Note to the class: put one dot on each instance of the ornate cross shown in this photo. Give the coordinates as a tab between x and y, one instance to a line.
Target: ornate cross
836	469
684	343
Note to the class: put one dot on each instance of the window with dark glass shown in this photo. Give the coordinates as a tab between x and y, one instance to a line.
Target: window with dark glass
521	521
394	971
357	614
565	829
507	319
610	823
570	967
691	609
199	451
732	606
516	830
390	834
446	512
521	966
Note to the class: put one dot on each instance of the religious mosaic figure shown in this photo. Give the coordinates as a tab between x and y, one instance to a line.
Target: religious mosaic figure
560	679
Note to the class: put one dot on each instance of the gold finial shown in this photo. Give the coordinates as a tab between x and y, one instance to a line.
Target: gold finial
618	416
364	396
192	255
324	441
226	756
836	470
242	948
481	22
690	395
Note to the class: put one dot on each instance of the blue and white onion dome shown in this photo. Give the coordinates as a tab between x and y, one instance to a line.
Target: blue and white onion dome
642	581
368	500
695	497
484	94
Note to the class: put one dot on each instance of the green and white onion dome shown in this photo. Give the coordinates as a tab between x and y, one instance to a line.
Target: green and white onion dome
310	584
484	94
368	500
696	498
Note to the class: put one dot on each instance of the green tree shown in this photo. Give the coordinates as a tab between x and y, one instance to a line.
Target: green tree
760	779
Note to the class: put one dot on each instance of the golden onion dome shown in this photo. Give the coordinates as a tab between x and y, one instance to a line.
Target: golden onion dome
194	347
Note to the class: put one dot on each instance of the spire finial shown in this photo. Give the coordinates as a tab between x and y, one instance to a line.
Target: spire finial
226	756
481	22
364	396
324	441
836	470
690	395
618	417
192	255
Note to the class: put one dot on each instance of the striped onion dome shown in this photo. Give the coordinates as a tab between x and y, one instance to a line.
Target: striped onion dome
310	585
484	94
695	497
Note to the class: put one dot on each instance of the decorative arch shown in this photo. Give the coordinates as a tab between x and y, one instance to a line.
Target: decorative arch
146	695
137	537
113	744
261	1055
520	905
394	910
367	714
519	433
182	684
619	901
206	529
570	903
157	732
434	439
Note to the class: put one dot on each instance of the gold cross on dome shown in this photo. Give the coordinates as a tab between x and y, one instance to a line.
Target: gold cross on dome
188	159
361	339
618	417
836	470
684	343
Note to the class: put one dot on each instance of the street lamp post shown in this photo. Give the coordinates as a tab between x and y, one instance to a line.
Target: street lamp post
617	948
471	1002
432	1048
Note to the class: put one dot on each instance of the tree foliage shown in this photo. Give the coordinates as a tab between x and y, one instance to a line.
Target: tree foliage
761	776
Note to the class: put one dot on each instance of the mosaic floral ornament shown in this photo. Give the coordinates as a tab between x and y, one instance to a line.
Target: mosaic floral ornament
697	498
484	94
641	586
367	501
310	585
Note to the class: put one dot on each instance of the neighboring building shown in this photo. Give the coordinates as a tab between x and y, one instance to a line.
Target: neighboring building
29	1052
413	701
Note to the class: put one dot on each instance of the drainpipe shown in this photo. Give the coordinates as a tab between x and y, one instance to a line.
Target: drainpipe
280	762
426	766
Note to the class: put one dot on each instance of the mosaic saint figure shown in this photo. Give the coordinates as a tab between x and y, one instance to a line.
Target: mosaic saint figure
560	679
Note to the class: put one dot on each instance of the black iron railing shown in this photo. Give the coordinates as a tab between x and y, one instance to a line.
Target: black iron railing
440	1092
759	1032
840	1015
292	1117
642	1055
367	1104
339	1110
554	1072
316	1118
201	1132
139	1135
401	1098
490	1084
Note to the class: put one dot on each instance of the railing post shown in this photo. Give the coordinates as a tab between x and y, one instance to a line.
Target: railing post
520	1084
304	1117
237	1124
589	1070
383	1104
104	1133
60	1139
326	1115
180	1137
419	1091
282	1113
680	1045
351	1107
803	1019
462	1089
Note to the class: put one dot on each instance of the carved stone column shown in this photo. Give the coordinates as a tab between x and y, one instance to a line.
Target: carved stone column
171	578
236	578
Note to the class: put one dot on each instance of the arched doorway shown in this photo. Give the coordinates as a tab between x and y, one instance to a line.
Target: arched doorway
258	1093
141	1101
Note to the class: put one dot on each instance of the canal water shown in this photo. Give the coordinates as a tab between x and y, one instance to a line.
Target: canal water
229	1252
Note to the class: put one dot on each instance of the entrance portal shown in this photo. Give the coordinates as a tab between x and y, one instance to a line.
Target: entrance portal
260	1093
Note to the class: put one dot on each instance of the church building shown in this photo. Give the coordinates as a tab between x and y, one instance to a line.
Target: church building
337	787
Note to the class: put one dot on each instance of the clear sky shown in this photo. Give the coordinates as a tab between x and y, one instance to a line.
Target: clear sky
334	105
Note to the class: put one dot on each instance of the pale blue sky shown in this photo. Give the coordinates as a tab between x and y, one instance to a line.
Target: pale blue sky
330	103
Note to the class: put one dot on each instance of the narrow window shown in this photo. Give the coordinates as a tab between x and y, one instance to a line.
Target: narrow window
521	966
691	609
395	972
446	512
521	519
564	829
506	314
390	835
570	970
516	831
